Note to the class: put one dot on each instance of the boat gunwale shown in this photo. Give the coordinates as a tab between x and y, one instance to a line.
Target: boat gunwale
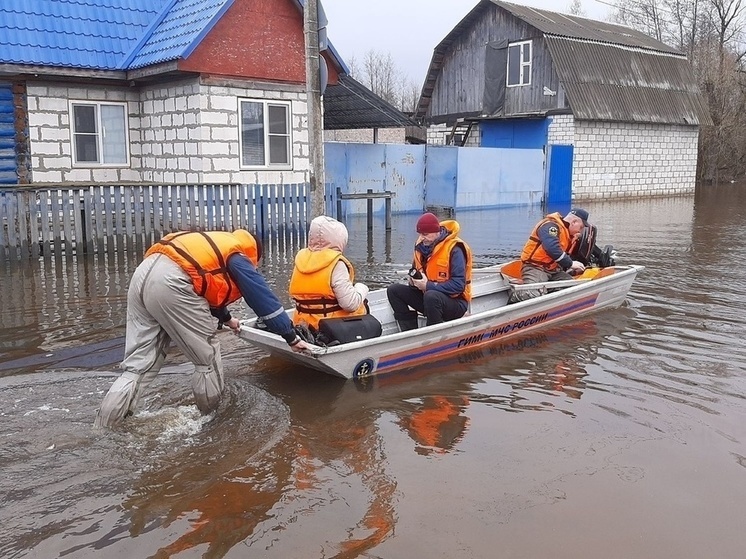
317	352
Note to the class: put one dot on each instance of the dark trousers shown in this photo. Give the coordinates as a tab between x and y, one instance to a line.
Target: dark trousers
435	305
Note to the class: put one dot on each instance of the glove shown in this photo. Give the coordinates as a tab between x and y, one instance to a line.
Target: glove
576	268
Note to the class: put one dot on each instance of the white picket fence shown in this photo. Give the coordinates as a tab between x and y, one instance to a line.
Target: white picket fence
76	219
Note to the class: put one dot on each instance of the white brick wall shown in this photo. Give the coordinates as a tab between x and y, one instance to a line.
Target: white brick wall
201	120
436	134
621	160
625	160
49	131
365	136
179	132
561	130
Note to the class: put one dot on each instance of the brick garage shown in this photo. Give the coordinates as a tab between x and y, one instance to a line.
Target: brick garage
617	159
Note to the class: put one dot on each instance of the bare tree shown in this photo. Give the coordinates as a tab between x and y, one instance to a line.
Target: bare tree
380	74
576	8
644	15
353	67
410	94
710	33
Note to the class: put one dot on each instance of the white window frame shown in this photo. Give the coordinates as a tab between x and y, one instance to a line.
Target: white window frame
524	74
266	103
99	134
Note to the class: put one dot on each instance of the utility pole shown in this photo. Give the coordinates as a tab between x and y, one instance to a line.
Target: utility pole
313	93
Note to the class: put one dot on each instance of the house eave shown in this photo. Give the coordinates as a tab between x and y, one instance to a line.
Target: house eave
23	71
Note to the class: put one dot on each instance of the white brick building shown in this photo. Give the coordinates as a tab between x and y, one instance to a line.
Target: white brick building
183	132
623	159
181	93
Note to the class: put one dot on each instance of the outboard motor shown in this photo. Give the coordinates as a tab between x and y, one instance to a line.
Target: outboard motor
586	251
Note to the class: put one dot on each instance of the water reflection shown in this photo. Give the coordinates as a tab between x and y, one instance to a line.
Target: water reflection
57	303
628	407
437	423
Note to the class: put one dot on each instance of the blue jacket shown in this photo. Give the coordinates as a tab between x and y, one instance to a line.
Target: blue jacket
258	296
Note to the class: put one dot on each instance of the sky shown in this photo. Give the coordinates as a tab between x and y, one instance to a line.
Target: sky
411	29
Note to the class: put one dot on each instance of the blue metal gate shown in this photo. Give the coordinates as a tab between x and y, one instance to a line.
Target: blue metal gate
559	175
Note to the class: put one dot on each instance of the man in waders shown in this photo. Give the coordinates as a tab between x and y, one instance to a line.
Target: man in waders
186	278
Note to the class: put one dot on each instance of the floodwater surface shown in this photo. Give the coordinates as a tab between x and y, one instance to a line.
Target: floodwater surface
620	436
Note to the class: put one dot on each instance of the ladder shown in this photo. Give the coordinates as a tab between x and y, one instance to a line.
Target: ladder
460	132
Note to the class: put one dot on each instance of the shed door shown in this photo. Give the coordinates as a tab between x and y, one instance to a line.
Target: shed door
7	137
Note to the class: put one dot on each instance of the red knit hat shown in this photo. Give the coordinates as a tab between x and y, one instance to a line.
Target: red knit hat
428	223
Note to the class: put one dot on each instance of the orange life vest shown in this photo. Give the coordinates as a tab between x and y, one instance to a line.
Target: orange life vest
438	268
203	255
533	251
311	286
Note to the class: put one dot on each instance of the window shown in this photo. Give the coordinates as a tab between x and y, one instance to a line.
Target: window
519	63
99	133
265	134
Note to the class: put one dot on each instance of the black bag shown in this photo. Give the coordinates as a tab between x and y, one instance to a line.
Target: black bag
348	329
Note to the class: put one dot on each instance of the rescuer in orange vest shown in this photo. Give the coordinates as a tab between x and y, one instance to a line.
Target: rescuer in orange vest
323	281
439	284
546	254
184	279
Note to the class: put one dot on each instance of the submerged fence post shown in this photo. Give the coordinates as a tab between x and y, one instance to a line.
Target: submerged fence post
339	204
369	204
387	203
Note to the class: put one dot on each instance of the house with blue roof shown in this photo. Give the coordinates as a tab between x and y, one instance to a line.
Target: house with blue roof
172	91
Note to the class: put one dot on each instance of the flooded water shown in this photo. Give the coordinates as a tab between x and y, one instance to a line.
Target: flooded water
620	436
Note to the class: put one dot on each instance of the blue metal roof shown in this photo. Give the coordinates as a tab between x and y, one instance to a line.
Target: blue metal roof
179	32
108	34
103	34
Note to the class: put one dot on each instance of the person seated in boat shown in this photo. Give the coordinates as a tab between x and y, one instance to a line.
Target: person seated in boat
439	284
323	281
185	279
546	254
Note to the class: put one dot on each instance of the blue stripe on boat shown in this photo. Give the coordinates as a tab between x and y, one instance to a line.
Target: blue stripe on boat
414	355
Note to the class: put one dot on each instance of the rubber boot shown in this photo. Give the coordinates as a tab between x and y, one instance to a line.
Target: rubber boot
408	324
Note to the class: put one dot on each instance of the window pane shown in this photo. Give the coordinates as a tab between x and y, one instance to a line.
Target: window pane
278	150
114	145
278	122
527	52
252	133
86	148
85	118
514	66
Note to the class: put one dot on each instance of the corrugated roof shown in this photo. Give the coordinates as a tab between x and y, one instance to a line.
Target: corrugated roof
609	71
565	25
108	34
179	32
94	34
609	82
350	105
